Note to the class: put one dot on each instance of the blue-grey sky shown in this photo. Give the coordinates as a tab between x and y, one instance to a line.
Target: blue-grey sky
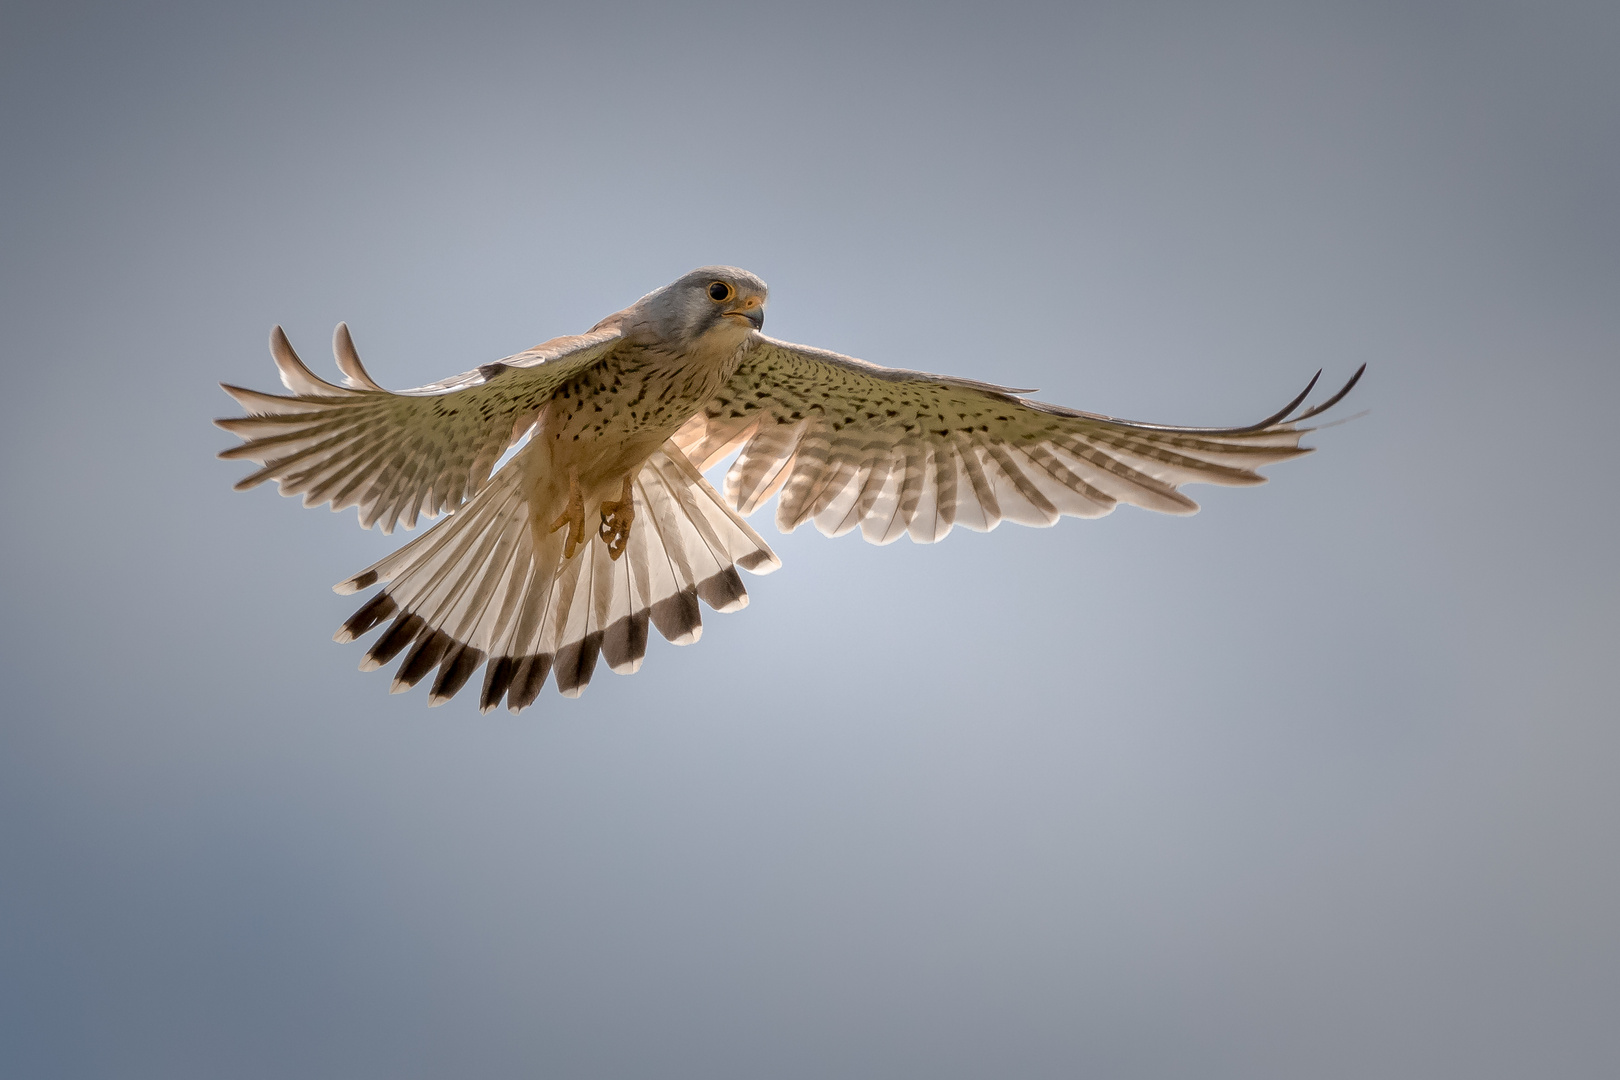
1318	783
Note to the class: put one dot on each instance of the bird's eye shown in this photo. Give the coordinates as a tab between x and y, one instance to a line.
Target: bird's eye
720	292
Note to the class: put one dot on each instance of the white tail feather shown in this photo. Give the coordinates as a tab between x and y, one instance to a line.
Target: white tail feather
480	587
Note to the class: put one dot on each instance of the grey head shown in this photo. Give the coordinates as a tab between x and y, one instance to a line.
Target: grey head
712	303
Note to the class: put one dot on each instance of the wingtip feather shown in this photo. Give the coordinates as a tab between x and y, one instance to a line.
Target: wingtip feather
348	360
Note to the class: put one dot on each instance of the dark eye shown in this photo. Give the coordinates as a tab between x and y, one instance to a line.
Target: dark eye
719	292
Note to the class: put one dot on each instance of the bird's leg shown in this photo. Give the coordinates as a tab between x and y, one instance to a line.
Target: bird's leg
573	517
616	520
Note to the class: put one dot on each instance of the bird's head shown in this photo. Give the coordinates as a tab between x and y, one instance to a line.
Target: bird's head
712	303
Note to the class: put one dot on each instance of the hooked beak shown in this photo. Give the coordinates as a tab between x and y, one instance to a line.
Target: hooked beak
750	310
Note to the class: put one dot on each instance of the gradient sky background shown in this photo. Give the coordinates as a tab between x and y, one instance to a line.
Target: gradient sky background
1319	783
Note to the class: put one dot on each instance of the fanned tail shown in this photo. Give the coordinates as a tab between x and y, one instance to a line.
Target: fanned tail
480	589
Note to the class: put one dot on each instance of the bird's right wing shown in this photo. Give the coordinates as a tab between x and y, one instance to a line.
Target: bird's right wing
397	455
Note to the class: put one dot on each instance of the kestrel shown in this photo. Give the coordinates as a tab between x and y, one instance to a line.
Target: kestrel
621	422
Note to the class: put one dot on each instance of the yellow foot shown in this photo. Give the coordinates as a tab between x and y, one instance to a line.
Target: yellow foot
616	520
573	517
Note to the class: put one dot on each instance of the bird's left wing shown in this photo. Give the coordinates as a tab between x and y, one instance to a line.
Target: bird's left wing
849	444
397	455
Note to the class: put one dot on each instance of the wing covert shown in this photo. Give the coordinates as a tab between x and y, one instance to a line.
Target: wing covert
849	444
396	455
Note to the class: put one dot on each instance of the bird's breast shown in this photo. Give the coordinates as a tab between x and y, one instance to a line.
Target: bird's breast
609	419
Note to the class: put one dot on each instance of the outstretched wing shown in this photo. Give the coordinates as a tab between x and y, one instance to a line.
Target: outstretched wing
849	444
396	455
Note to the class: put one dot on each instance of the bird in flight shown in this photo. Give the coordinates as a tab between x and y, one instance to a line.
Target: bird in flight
601	522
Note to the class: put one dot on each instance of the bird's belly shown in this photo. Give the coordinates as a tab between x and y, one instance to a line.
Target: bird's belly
607	422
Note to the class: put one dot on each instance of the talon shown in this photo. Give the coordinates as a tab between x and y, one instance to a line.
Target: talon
617	518
573	517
